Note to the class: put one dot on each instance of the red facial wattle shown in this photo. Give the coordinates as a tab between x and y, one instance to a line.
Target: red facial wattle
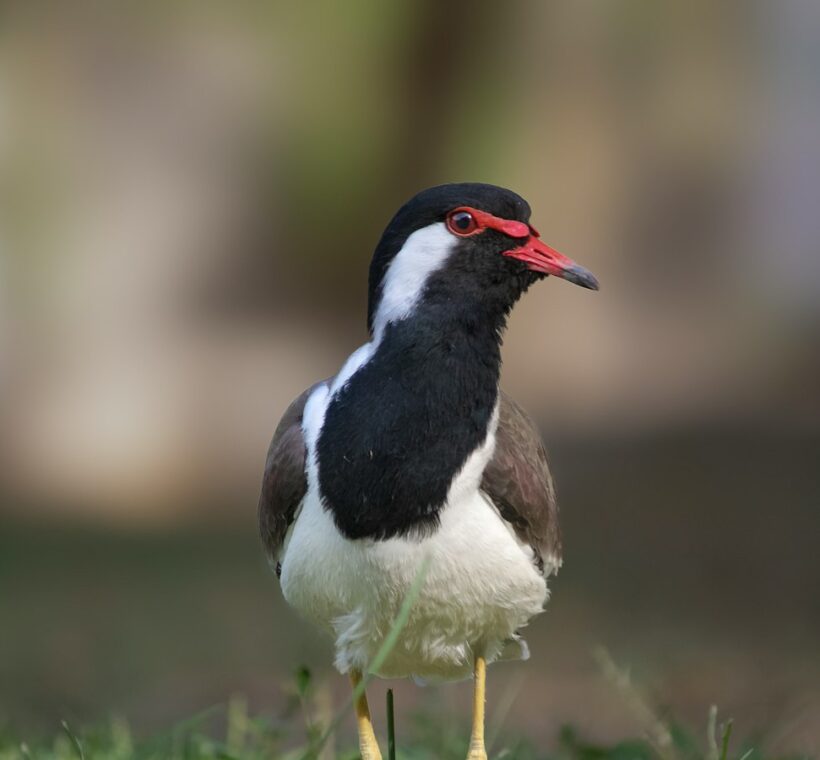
539	257
481	221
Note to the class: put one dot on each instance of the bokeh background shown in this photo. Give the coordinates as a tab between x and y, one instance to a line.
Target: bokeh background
190	196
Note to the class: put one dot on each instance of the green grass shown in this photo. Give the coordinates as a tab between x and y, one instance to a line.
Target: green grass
308	730
229	732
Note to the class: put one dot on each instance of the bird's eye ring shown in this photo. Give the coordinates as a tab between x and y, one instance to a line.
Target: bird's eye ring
461	222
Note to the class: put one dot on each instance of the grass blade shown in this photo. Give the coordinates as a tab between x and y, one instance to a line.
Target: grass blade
657	731
74	740
727	734
391	727
711	734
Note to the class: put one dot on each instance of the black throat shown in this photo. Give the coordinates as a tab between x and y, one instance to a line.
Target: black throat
404	425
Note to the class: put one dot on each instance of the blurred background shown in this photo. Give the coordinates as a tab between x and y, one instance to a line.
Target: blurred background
190	196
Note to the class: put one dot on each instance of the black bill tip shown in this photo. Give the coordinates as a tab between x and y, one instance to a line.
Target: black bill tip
580	276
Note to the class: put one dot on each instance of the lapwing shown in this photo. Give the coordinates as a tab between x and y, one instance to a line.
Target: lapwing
412	456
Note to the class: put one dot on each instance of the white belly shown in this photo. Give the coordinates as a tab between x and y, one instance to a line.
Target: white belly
481	588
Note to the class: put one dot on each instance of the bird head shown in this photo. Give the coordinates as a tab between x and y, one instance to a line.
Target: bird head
461	245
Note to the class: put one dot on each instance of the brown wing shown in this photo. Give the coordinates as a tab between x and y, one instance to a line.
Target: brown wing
518	481
285	481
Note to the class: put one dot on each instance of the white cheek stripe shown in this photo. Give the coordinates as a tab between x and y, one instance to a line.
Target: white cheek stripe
424	252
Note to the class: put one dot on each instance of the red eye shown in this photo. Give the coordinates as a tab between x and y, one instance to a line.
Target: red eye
461	222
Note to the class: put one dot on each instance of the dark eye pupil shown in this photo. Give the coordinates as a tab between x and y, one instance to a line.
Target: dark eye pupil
463	220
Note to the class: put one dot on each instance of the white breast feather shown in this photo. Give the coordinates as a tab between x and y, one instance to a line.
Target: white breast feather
481	588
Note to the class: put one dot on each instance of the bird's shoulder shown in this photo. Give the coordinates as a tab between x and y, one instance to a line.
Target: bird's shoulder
518	481
284	483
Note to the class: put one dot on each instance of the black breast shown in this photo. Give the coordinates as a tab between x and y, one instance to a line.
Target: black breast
404	425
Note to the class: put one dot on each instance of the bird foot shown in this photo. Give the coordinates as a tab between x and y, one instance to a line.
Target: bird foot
477	752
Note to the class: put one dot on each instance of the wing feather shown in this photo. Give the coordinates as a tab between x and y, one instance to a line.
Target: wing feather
519	483
284	483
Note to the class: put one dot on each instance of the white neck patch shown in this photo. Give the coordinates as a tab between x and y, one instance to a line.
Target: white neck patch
424	252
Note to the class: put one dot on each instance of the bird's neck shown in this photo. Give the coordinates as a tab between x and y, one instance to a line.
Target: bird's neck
402	428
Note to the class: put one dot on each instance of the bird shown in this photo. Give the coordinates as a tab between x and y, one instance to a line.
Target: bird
412	454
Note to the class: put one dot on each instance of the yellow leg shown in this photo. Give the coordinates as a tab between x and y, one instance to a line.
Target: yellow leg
368	746
477	750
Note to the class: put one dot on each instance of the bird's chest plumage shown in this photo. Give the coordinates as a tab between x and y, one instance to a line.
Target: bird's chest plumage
396	435
481	587
482	583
